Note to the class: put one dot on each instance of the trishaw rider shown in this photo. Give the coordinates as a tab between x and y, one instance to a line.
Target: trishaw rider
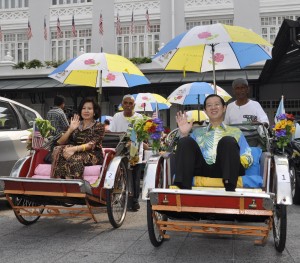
217	151
243	109
120	123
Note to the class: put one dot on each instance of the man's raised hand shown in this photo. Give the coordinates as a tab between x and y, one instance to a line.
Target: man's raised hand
183	124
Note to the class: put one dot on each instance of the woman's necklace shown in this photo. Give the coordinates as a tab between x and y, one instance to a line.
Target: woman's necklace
85	126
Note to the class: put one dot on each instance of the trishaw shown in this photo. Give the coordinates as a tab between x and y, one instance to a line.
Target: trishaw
32	193
258	205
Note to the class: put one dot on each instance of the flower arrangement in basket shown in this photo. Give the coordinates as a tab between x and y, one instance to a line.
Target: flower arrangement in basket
148	129
284	129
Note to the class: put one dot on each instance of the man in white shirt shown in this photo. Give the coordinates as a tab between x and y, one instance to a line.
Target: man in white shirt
120	123
244	109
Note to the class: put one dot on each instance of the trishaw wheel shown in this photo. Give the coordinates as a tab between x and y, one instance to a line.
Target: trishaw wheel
279	227
155	235
117	197
295	183
26	219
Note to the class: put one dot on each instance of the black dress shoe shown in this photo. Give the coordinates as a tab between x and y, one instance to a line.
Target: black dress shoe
229	187
135	206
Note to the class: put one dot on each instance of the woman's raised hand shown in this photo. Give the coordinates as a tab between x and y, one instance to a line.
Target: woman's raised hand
183	124
75	121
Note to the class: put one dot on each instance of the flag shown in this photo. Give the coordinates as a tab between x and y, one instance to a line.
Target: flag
45	30
74	32
132	24
37	139
148	21
58	29
1	35
101	25
29	31
118	25
280	109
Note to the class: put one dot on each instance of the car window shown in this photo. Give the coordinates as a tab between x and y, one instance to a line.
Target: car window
8	118
27	115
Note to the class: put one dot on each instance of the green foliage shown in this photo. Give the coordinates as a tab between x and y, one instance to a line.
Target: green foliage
35	63
44	127
138	61
20	65
54	64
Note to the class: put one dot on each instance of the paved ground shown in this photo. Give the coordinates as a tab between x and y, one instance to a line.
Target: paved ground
73	240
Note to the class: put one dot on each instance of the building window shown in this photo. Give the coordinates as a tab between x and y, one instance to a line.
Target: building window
11	4
68	2
68	46
17	45
191	24
270	26
139	44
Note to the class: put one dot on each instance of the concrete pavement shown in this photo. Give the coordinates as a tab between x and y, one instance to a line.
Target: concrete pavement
79	240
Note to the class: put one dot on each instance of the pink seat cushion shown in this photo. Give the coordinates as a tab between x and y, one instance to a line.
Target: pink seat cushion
90	174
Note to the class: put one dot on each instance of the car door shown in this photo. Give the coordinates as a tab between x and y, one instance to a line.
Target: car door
13	136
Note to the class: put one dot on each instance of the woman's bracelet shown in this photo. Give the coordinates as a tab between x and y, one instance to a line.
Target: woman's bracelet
83	147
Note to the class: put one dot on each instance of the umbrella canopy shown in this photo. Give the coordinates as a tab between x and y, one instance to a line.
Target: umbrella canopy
149	102
195	93
196	115
99	70
213	47
105	117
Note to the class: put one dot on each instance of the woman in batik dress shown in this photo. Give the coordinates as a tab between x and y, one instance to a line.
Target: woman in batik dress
80	145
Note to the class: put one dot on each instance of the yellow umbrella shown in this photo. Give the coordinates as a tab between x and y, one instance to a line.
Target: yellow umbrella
99	70
196	115
213	47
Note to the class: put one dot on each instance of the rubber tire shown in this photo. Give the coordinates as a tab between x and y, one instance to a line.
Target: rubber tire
25	220
155	239
121	175
295	181
279	229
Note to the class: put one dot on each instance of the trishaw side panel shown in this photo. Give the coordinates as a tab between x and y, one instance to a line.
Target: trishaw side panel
36	159
210	201
98	185
109	177
150	175
21	167
38	188
283	184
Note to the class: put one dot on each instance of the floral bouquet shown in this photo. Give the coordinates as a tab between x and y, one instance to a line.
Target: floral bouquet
148	129
154	127
284	129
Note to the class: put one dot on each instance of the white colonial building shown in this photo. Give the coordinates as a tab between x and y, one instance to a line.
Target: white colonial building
62	29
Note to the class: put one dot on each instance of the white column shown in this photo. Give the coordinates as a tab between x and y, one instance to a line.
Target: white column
246	14
39	48
108	39
172	20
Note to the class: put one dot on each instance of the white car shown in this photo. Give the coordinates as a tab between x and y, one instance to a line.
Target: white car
15	120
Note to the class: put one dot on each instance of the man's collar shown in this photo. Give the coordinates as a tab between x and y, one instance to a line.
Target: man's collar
222	125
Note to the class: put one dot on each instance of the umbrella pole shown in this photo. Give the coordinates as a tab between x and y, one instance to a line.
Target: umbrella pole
214	67
100	89
198	107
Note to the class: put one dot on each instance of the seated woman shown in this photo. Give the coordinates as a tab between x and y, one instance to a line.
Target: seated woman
80	145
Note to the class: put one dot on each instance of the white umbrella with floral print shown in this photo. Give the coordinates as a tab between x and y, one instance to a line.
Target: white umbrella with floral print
213	47
99	70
